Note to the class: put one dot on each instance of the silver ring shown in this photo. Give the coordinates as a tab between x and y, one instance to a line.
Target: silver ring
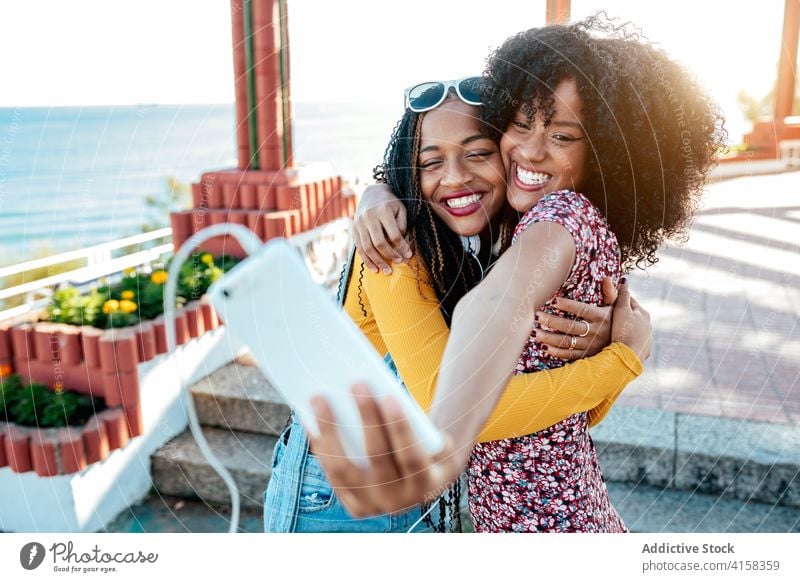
584	334
573	341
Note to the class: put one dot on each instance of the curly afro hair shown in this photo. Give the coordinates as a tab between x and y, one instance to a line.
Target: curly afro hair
653	132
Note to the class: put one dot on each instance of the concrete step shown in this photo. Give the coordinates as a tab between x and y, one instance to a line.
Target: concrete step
180	469
731	459
238	397
648	509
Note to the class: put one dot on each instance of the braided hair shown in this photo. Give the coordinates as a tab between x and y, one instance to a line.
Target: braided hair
451	270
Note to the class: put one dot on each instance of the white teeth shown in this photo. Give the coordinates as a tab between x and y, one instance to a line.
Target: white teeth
532	178
464	201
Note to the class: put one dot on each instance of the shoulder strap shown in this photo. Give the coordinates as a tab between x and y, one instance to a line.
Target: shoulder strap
344	280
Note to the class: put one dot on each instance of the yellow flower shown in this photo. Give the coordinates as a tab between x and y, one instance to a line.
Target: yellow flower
207	258
129	271
110	306
159	277
128	294
127	306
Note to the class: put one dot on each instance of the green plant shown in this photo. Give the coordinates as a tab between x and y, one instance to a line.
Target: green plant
62	408
26	406
69	306
33	274
35	405
198	273
755	109
738	149
137	296
9	388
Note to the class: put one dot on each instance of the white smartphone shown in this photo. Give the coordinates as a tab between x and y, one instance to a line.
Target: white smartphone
306	345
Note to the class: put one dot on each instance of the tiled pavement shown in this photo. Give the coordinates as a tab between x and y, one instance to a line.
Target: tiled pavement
726	308
166	514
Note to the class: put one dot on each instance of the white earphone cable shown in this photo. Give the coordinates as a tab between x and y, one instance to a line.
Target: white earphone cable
250	243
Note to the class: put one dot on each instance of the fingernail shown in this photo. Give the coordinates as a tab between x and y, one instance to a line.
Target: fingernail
535	334
536	317
555	301
544	348
623	281
374	269
398	260
407	254
387	271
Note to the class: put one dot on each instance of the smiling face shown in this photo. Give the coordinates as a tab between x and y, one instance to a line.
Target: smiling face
460	170
543	159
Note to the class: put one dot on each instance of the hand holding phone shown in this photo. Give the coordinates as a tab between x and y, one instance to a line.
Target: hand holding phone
305	345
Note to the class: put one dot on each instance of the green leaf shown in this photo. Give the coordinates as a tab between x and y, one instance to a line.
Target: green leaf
10	391
36	406
27	408
194	279
59	408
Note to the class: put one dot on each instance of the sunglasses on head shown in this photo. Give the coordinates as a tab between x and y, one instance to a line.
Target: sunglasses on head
426	96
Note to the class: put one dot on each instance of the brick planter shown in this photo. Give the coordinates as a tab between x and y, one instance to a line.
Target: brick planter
78	478
99	363
281	203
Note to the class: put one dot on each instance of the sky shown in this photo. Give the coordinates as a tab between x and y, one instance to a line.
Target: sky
104	52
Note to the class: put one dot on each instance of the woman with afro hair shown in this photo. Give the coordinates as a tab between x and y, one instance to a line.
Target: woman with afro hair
607	145
447	163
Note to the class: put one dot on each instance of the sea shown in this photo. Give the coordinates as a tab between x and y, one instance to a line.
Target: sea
71	177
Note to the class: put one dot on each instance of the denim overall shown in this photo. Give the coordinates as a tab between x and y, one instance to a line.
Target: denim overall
299	497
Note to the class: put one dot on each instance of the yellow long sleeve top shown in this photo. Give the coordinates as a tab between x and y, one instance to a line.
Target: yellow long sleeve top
399	314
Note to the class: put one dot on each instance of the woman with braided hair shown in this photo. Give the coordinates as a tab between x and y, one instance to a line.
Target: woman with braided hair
607	144
447	163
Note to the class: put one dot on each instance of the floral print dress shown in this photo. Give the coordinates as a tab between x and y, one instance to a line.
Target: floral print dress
551	481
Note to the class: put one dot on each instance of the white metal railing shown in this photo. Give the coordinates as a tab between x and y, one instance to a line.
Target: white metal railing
99	263
324	249
789	152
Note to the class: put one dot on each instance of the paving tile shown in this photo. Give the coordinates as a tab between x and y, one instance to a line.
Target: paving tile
652	510
168	514
726	308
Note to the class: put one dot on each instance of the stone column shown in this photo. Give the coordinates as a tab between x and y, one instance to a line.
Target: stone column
265	192
787	65
558	11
